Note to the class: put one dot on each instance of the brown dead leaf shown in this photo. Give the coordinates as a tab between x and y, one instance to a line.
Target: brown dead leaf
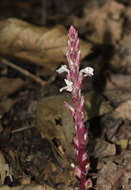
123	111
117	96
119	81
9	86
5	105
124	133
128	13
114	174
104	149
54	175
27	187
102	23
5	187
123	143
125	51
44	46
25	180
2	168
122	57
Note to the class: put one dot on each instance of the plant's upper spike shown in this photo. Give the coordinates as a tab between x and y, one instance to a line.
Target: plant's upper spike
73	33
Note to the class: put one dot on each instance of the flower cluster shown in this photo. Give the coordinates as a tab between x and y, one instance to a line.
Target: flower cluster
73	82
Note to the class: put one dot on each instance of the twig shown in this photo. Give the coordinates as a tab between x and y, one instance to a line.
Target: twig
21	129
23	71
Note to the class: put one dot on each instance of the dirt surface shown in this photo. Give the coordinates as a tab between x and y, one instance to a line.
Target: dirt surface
36	130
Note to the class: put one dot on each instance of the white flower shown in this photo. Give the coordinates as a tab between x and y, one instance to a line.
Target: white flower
72	165
69	86
88	71
62	69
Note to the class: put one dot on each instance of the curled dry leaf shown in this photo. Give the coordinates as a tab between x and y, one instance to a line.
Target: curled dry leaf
44	46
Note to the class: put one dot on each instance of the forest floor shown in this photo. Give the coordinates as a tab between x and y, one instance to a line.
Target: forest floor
32	47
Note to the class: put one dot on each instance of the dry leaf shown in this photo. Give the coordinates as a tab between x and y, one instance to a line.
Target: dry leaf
115	172
123	143
5	187
9	86
119	81
2	168
44	46
102	23
25	180
104	149
123	111
32	187
5	105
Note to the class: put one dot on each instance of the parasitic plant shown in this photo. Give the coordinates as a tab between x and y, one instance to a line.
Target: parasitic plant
73	82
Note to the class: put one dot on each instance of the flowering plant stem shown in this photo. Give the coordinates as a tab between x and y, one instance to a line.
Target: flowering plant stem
73	82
